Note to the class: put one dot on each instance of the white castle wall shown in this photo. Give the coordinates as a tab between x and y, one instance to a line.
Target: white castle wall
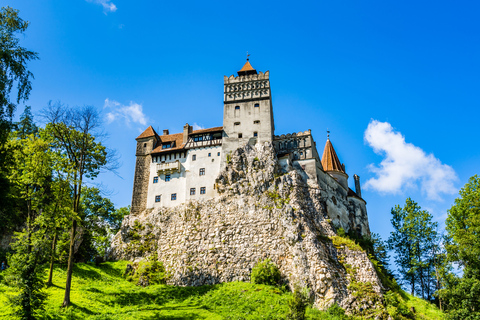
188	177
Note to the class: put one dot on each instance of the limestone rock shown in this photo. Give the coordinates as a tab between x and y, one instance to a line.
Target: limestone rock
262	212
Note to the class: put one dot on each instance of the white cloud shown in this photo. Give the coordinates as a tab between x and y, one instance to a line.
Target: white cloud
405	166
197	127
128	113
107	5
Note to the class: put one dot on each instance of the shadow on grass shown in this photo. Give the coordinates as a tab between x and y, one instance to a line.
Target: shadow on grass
159	295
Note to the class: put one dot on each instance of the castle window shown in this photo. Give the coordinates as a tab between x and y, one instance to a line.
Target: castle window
239	135
202	171
255	134
218	154
209	154
192	191
167	177
174	196
166	146
257	105
194	157
256	122
155	179
157	198
237	107
202	190
237	123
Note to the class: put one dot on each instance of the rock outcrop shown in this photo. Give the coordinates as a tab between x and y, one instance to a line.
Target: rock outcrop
262	212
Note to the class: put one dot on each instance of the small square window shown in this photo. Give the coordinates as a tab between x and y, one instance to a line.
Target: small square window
218	154
257	105
158	198
174	196
155	179
167	177
209	154
236	123
255	134
202	171
192	191
240	135
256	122
144	145
202	190
237	107
194	157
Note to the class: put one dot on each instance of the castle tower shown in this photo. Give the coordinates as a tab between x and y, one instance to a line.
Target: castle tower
247	111
331	165
146	142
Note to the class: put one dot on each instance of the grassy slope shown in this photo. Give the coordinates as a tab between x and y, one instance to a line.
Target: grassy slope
102	293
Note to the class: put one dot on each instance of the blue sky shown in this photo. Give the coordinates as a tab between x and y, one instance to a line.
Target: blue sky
396	83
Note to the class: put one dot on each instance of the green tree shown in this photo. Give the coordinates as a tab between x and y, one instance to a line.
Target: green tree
31	178
414	240
462	244
100	222
13	71
75	133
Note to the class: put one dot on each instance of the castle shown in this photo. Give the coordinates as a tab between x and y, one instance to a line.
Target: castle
172	169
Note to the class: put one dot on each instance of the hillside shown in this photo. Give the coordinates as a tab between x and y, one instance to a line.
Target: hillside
102	293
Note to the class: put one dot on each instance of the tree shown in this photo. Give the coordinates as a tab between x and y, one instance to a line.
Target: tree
100	222
462	244
31	178
75	133
13	70
414	240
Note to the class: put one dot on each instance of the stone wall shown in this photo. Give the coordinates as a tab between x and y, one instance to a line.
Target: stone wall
261	212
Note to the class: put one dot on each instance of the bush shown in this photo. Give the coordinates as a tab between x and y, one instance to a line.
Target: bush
149	271
298	304
396	307
266	272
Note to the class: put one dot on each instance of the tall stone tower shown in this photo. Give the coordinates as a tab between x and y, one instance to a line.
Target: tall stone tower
247	111
146	142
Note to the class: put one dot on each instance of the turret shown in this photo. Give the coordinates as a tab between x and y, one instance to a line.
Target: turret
331	165
146	142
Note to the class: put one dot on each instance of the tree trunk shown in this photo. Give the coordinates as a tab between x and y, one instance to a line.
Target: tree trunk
68	284
52	259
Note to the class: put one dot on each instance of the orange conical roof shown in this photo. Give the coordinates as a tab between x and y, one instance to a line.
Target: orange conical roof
330	160
247	69
149	132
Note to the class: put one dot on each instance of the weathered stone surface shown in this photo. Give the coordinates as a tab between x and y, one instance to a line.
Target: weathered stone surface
262	212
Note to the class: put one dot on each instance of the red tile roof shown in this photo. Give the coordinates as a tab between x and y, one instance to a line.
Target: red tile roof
177	138
330	160
149	132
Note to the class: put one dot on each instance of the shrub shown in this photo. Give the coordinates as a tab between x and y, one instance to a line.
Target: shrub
266	272
297	305
149	271
337	312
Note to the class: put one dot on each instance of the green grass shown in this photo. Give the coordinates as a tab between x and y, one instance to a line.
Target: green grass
102	293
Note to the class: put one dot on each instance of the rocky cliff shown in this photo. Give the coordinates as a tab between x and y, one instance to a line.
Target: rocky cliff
262	212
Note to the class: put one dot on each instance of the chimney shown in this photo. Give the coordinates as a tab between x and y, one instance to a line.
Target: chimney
186	130
358	191
165	132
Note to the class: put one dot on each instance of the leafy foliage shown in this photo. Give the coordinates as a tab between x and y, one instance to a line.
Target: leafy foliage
297	305
266	272
13	70
149	272
462	294
415	241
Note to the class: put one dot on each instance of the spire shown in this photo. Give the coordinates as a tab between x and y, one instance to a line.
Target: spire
247	68
330	161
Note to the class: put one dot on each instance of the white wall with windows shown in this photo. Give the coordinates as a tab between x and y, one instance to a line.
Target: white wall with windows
199	167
